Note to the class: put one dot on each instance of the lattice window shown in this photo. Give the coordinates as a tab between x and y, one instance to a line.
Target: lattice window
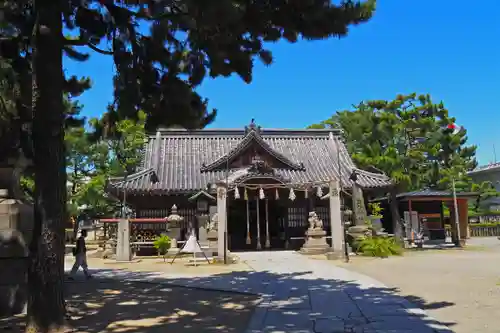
189	215
153	213
297	217
323	214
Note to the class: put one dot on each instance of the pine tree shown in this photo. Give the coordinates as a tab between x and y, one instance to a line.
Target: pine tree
156	72
411	139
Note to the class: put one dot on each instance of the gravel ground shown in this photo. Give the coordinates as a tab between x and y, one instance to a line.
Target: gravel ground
460	287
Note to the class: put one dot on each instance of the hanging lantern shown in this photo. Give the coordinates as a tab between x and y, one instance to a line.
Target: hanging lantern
236	193
292	195
306	193
277	195
319	192
245	194
262	196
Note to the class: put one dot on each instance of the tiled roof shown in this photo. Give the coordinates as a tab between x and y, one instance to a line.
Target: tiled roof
425	193
486	168
136	180
428	193
183	154
433	193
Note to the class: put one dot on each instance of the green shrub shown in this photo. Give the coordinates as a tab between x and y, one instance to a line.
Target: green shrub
375	209
162	244
473	213
479	225
378	246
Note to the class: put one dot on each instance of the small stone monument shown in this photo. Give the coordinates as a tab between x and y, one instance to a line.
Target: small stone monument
212	234
315	236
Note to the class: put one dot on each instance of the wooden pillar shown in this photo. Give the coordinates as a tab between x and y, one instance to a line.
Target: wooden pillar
249	239
441	214
268	241
411	232
463	218
336	225
287	231
222	221
259	245
310	204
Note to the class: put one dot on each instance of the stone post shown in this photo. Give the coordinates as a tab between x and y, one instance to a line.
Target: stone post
123	252
221	225
336	225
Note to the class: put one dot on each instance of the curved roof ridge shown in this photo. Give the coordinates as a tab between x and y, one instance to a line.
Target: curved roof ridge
132	177
240	132
252	135
372	174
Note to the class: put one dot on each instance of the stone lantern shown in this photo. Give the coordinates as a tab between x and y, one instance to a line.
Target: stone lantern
174	218
174	221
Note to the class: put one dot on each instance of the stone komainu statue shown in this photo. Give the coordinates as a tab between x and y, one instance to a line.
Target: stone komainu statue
314	221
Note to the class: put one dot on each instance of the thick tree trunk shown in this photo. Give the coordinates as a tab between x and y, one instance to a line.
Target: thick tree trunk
46	307
396	218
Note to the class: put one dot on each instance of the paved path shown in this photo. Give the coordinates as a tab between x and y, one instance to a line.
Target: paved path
460	287
301	295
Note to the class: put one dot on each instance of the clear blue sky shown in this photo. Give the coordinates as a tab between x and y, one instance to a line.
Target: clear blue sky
446	48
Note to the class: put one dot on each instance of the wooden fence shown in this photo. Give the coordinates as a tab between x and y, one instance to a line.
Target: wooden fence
487	218
484	230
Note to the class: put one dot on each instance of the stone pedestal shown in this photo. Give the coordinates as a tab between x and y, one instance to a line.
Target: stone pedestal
336	225
213	243
123	252
358	231
174	248
315	242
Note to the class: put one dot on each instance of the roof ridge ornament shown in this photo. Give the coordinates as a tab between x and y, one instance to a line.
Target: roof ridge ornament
252	127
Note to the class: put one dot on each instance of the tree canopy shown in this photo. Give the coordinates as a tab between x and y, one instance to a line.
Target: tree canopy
91	163
411	138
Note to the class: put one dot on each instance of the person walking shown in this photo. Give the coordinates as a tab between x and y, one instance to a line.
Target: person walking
80	253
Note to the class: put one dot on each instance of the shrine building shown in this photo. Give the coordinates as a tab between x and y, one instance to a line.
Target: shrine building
262	182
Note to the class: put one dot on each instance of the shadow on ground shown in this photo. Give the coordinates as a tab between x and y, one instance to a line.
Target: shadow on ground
121	301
